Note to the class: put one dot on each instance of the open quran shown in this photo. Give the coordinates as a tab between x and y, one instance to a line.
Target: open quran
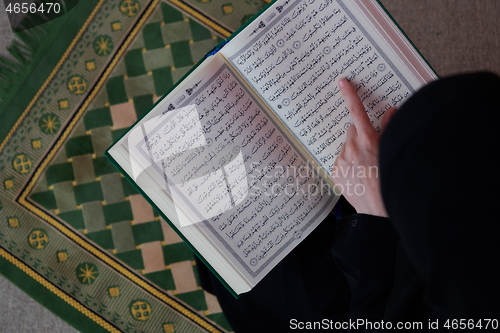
237	156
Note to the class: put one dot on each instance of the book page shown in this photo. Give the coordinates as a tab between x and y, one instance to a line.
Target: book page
228	171
293	56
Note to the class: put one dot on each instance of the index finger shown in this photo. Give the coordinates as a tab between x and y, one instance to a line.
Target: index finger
355	107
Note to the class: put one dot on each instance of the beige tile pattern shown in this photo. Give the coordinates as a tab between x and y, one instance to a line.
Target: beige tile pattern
213	305
123	115
183	275
141	209
169	234
152	256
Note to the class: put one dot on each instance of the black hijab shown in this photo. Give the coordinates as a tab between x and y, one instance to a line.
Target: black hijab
440	180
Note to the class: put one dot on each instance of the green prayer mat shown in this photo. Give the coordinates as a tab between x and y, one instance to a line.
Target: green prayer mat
74	234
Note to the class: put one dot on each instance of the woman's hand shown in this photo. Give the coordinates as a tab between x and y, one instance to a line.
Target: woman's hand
356	169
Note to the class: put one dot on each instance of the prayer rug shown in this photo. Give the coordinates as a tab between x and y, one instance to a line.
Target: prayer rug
74	234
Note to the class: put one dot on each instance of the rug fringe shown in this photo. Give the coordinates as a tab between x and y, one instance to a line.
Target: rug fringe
14	71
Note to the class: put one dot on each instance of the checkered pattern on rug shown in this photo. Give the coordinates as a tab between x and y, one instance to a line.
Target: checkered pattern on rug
82	188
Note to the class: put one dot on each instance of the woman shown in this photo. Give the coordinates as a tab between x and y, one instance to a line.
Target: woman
422	249
424	245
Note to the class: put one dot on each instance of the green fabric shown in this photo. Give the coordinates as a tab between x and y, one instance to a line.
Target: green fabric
116	90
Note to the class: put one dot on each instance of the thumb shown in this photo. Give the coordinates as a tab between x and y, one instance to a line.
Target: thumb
387	117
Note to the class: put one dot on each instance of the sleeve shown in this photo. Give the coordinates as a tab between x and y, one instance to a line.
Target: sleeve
365	250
